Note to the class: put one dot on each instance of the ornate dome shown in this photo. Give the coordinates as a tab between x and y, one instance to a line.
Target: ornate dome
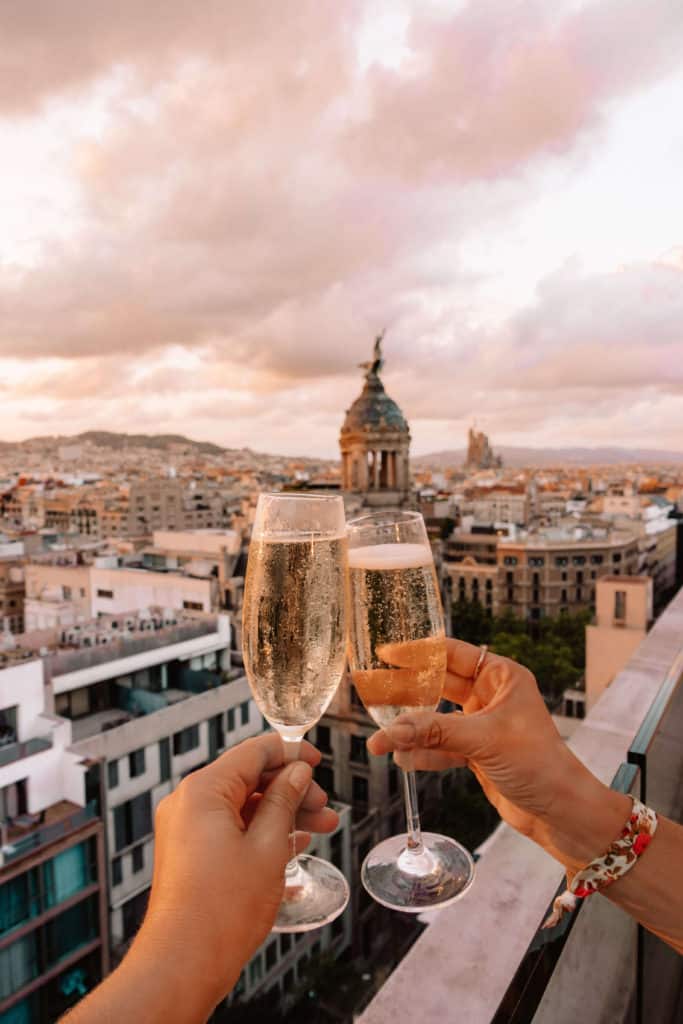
374	411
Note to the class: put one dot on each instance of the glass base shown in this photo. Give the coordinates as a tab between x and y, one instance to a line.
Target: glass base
314	895
403	880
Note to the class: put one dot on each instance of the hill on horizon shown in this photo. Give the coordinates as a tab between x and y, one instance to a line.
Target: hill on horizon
520	457
453	458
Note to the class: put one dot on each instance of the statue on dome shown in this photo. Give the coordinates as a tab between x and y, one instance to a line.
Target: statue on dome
373	367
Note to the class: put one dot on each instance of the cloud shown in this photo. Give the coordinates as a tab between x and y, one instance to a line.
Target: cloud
501	83
253	206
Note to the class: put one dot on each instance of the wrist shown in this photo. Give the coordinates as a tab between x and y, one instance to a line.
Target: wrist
584	818
183	978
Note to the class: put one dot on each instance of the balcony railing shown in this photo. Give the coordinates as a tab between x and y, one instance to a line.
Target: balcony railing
597	965
65	661
49	833
17	751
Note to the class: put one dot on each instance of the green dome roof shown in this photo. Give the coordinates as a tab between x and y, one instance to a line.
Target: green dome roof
374	411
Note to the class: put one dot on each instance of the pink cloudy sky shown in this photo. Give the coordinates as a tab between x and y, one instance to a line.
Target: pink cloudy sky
208	210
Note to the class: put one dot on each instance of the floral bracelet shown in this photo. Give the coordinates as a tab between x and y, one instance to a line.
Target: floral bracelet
622	854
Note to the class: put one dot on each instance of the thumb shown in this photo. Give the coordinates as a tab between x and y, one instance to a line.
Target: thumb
277	808
452	732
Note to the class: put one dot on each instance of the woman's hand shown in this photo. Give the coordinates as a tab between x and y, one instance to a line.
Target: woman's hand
221	846
508	739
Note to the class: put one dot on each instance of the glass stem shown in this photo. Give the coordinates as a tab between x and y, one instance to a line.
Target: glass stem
414	844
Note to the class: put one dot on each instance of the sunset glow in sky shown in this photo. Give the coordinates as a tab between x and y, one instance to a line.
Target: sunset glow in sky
209	210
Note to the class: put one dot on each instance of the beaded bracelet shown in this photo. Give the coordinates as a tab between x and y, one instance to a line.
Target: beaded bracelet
622	854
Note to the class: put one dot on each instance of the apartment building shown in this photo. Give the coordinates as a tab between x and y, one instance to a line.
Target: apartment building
53	910
537	574
12	591
624	610
61	595
56	595
501	505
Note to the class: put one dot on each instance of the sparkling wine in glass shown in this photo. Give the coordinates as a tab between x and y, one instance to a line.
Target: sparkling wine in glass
397	653
294	645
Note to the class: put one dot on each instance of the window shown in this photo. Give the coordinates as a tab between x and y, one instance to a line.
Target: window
185	740
564	577
66	591
619	605
132	820
393	778
19	900
193	606
255	970
561	560
71	929
359	789
133	913
322	739
136	763
138	859
112	774
231	720
164	760
596	559
104	593
579	560
536	560
359	751
18	964
116	871
324	776
489	585
509	578
616	557
564	597
271	954
244	713
66	874
510	560
579	578
336	849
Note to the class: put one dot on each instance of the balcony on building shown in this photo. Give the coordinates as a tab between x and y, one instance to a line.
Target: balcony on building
111	670
486	960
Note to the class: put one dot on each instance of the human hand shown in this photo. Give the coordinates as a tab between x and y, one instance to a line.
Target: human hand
508	739
221	846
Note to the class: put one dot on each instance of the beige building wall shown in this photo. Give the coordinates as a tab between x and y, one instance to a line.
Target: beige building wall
623	613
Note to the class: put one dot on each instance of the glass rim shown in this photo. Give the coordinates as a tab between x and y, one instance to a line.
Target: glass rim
371	519
310	496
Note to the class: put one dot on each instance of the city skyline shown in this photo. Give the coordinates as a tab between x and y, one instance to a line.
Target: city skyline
208	219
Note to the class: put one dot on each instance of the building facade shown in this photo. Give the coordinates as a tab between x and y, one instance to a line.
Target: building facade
540	574
53	911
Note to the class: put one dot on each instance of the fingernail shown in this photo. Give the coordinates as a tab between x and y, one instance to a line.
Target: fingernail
300	775
404	732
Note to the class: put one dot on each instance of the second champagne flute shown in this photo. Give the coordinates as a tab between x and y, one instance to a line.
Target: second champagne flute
397	646
294	644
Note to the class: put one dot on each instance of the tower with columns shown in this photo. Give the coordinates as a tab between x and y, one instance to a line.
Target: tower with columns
375	443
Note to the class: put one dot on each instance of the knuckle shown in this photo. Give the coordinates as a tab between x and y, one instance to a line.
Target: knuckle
280	800
434	734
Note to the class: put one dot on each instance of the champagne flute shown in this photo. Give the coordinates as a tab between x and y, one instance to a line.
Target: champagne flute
294	645
397	652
